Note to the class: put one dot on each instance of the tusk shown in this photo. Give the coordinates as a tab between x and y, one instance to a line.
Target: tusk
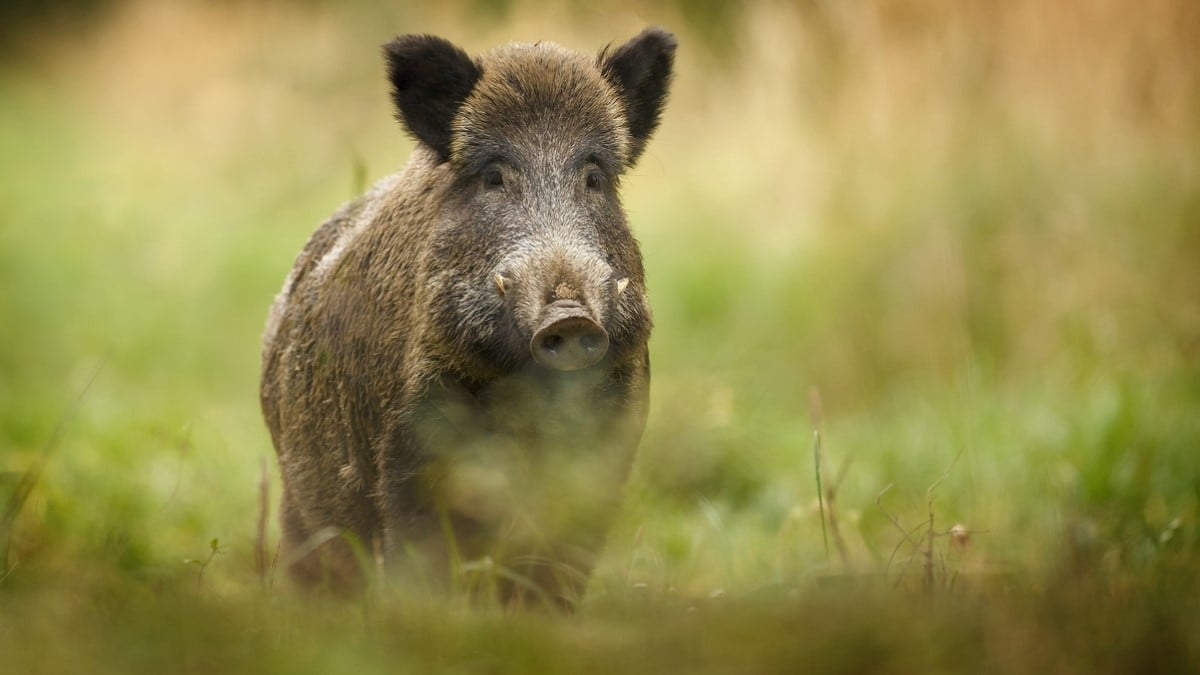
499	281
621	284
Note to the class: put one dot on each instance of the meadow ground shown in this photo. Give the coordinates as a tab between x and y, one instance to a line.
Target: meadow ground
962	240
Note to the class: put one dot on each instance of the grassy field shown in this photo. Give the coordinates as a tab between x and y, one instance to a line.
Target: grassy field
961	240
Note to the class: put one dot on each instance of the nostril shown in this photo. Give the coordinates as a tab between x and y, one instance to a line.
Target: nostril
570	343
552	342
591	341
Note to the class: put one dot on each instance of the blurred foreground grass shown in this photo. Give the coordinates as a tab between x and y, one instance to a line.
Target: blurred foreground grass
972	230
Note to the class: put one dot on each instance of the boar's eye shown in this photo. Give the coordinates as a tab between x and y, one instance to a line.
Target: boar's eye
594	179
492	178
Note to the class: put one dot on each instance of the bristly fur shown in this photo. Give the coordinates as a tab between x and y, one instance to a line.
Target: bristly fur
398	361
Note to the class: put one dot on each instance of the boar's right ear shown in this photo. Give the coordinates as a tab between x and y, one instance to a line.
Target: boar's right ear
430	79
640	70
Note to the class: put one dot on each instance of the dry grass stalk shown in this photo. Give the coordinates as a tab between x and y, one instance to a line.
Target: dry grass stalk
264	507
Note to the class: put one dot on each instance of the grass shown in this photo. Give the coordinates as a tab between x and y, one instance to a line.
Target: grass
972	232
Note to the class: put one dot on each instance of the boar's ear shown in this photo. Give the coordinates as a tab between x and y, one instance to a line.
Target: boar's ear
430	79
641	72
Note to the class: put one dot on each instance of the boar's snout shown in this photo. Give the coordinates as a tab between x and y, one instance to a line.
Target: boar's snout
568	338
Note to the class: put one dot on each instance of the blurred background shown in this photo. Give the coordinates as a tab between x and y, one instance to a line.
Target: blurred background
962	238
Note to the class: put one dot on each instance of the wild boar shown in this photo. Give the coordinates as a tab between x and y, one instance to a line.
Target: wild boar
457	366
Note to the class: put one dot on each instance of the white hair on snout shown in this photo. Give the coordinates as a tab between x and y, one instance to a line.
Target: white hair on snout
555	264
539	264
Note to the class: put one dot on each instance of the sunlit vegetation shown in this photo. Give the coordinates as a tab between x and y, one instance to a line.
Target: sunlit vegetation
961	241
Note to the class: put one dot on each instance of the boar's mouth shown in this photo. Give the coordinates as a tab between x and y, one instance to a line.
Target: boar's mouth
568	338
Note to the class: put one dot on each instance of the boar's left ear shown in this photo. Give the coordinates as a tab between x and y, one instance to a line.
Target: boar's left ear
430	79
641	72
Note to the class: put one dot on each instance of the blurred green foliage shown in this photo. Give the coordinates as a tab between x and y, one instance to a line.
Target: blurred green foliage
971	229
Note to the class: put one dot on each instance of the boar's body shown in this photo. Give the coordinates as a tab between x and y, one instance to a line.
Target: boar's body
462	352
